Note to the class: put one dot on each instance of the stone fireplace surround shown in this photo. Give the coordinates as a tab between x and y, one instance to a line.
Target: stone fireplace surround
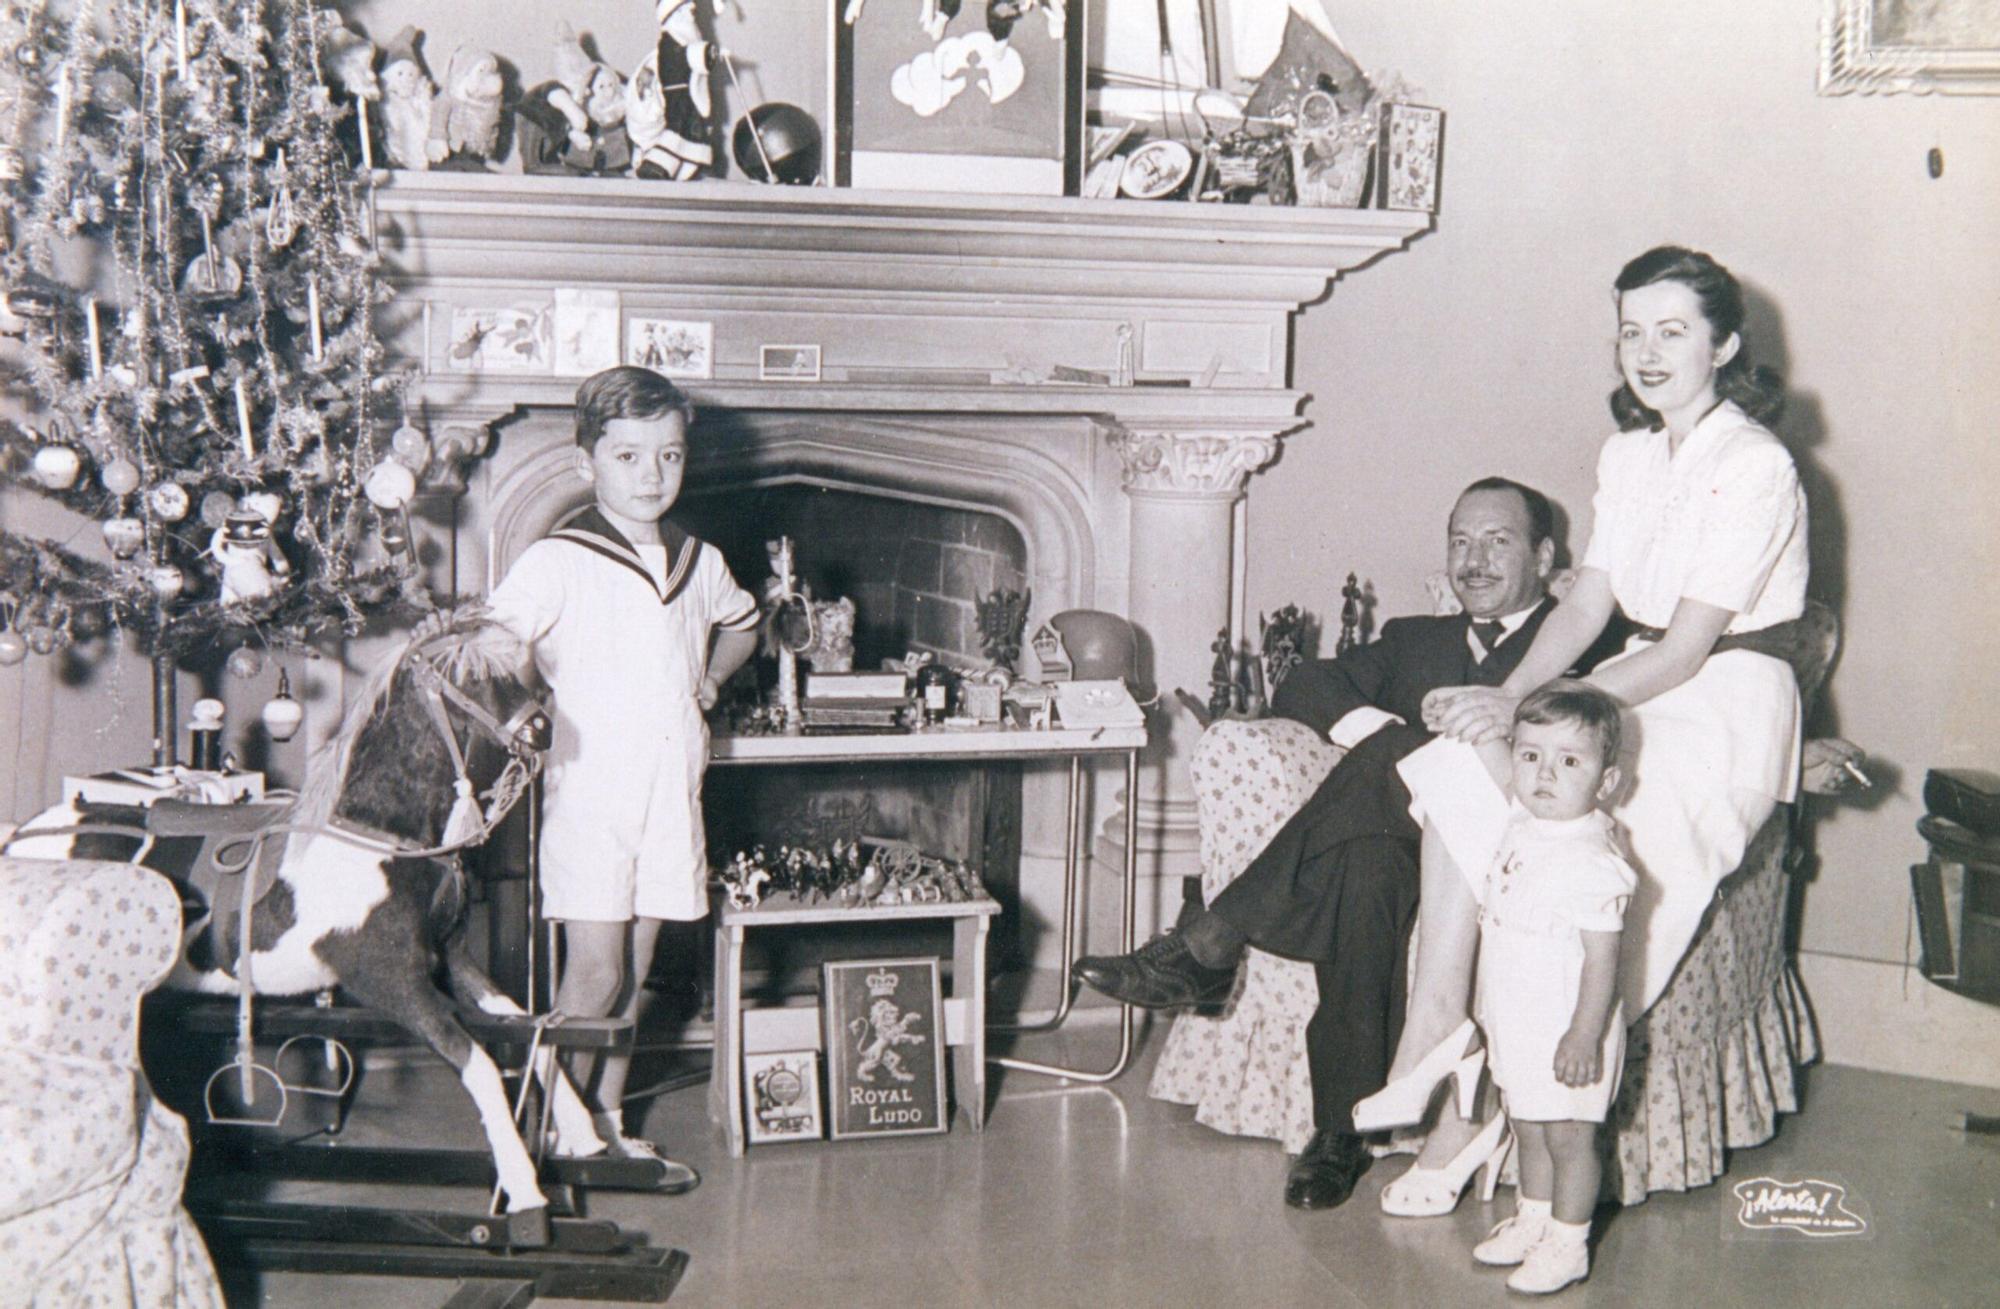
938	318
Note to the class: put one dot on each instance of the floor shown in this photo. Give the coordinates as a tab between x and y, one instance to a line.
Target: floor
1101	1197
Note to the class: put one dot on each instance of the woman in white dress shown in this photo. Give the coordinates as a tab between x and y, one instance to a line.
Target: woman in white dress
1699	535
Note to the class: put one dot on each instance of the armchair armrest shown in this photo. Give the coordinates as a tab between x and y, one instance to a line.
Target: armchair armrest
1249	777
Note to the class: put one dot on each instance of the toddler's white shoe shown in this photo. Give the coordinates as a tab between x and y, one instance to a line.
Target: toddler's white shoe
1511	1239
1560	1257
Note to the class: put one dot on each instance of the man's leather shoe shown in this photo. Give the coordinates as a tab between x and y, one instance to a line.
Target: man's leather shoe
1161	974
1325	1172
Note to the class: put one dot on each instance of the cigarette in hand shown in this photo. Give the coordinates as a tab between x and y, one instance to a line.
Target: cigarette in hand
1855	772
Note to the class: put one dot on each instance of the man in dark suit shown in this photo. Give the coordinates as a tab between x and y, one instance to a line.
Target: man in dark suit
1337	885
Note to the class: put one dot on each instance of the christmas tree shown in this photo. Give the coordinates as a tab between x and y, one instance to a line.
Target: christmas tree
188	262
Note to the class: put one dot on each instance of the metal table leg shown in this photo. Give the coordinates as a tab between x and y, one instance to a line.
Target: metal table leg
1072	876
1126	933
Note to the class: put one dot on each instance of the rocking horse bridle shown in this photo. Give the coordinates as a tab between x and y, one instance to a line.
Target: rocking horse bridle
525	735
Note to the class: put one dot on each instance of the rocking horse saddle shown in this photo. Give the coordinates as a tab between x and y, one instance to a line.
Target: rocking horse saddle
188	840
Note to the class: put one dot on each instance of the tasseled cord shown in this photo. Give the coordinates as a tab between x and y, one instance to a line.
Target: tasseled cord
464	822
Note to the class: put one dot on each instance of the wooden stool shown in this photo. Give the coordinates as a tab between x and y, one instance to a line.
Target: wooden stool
767	1029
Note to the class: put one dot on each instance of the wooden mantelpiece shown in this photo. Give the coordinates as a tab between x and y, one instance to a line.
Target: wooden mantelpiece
940	320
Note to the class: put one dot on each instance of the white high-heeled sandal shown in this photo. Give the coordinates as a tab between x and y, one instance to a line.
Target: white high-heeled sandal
1406	1099
1431	1192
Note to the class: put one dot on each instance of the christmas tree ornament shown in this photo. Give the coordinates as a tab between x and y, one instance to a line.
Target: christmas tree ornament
411	448
13	648
124	536
395	530
167	580
251	562
120	476
282	714
168	501
41	638
390	485
56	467
282	223
245	661
216	507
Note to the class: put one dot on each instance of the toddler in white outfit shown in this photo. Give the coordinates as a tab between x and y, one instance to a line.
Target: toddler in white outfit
1549	926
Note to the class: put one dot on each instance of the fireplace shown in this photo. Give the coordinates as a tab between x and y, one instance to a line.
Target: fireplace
945	326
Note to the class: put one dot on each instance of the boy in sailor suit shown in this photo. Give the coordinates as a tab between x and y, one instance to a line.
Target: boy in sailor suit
634	625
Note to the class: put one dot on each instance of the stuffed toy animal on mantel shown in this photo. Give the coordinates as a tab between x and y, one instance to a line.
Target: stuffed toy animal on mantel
669	108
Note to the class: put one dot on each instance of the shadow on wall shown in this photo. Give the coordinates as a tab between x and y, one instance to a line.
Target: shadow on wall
1803	429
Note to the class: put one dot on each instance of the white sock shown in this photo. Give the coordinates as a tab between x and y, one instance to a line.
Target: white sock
1577	1234
1526	1210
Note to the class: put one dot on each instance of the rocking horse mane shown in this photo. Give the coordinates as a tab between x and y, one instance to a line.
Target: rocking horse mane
369	770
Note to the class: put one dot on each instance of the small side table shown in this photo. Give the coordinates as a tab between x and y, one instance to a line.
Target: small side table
799	1028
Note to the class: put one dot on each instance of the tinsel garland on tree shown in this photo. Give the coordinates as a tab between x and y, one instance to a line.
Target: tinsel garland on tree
188	262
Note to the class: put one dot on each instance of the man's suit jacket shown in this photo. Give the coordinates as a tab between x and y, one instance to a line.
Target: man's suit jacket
1411	658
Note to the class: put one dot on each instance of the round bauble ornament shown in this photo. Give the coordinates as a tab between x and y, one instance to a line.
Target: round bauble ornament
282	714
41	638
124	536
790	140
411	448
56	467
207	714
216	507
168	501
390	485
120	477
167	581
13	649
245	661
267	505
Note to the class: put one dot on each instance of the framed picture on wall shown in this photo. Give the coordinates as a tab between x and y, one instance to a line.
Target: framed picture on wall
1914	46
884	1030
968	102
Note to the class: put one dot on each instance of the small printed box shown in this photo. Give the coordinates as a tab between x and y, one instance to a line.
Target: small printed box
782	1094
1412	143
884	1047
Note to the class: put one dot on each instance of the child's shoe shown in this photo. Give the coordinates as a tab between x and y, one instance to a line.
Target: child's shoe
1562	1256
1509	1242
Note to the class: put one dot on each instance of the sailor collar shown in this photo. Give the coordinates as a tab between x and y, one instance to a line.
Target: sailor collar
591	530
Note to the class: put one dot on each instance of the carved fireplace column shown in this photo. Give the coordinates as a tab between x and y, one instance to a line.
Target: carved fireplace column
1183	485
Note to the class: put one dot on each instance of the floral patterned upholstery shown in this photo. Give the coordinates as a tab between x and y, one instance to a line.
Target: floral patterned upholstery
90	1210
1712	1065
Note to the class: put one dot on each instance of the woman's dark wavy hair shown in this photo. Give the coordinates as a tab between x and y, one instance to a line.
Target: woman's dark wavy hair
1758	392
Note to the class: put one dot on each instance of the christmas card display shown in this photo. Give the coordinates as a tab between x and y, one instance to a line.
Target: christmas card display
783	1096
884	1027
187	260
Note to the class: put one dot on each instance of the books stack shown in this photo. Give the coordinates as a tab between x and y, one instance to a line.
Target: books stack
855	701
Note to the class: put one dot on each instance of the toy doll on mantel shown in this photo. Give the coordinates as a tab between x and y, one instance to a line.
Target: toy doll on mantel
668	106
465	118
407	95
575	124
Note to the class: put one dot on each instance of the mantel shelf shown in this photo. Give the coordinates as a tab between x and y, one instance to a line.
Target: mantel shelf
459	229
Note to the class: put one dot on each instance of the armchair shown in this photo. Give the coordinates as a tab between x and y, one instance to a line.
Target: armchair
1709	1068
90	1200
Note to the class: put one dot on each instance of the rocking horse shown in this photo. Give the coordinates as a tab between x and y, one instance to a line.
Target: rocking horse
357	883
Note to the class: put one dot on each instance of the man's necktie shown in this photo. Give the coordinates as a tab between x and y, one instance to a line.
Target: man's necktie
1489	634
